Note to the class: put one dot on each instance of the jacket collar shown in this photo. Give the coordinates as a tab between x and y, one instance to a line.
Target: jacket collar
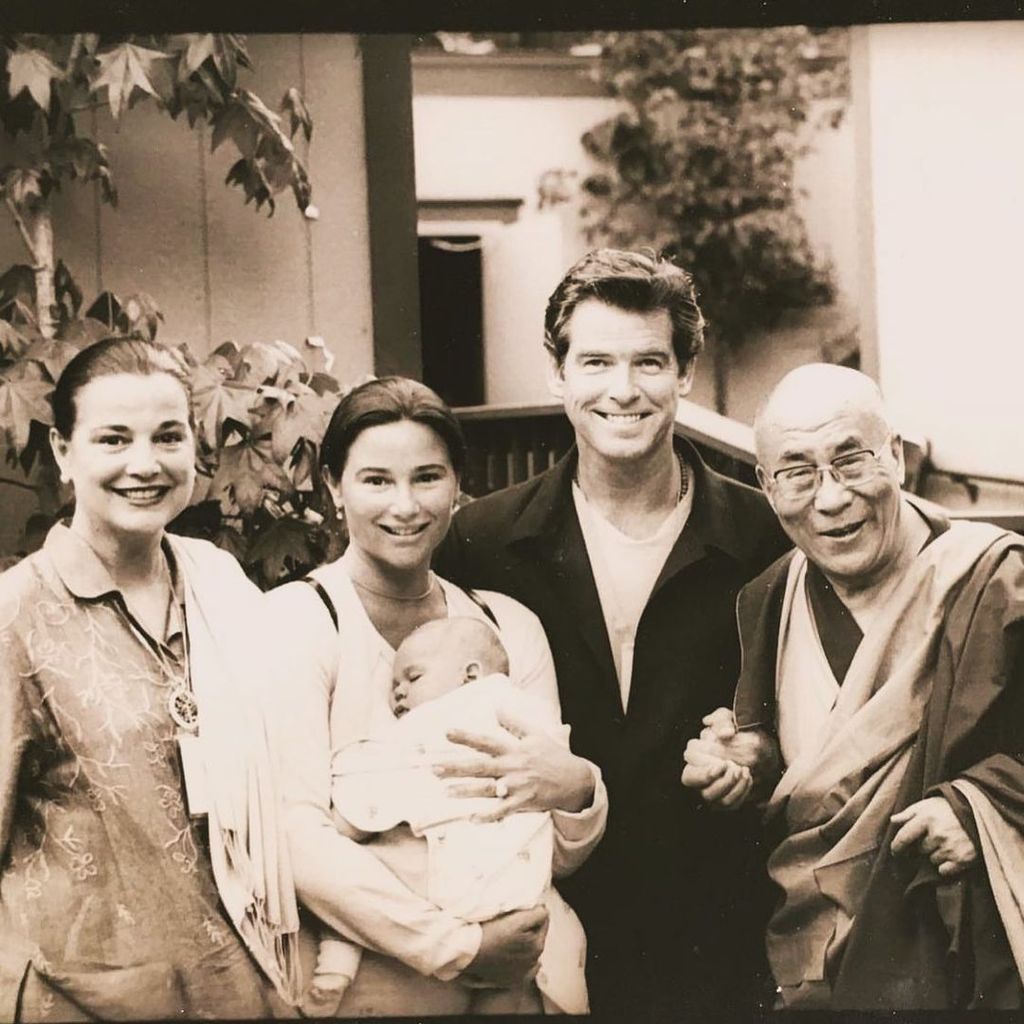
712	523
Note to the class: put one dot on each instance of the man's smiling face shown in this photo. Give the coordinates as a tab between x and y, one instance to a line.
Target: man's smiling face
850	531
620	381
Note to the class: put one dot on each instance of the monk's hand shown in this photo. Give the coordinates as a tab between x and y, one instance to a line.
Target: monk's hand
720	781
721	740
933	827
524	770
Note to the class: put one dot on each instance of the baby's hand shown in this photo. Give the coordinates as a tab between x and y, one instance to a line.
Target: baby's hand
324	994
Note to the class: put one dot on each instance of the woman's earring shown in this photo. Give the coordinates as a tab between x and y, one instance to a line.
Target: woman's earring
340	512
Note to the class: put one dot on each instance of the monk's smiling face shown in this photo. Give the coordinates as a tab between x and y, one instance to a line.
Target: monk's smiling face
851	530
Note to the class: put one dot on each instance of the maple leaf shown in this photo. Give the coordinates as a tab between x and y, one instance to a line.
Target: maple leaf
84	159
286	546
245	472
66	292
235	122
267	120
316	355
247	175
306	418
226	359
17	282
216	400
264	363
199	519
294	107
200	46
142	315
51	353
303	466
292	415
84	331
23	185
12	341
293	368
123	70
324	384
32	70
21	402
232	541
228	52
106	308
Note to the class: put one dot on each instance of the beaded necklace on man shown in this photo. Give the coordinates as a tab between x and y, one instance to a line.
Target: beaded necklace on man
684	487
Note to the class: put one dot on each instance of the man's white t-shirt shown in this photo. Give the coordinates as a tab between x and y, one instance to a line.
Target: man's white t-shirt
625	571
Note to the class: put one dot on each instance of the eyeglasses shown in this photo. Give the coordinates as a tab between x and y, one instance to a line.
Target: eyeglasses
848	469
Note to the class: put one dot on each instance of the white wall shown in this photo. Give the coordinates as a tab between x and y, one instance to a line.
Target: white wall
946	138
497	147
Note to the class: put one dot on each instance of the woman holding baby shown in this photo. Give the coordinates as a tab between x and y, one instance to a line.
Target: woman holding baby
392	456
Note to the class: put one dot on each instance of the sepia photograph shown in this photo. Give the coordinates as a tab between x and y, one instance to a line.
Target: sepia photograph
663	358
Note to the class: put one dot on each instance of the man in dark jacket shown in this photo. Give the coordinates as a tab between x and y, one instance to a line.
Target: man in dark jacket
884	661
631	551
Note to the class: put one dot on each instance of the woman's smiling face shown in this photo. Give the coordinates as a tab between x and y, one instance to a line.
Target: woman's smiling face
130	456
397	489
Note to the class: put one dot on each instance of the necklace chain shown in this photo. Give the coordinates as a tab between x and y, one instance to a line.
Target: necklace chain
684	479
397	597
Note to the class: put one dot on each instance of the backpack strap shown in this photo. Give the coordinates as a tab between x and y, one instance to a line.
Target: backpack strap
333	612
483	606
325	597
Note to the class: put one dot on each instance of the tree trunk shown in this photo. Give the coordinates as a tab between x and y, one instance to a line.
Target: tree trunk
720	363
35	226
40	228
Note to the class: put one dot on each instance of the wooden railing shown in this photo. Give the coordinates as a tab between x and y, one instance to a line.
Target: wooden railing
511	443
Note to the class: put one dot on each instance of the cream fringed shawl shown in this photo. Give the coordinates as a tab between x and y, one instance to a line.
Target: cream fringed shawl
224	613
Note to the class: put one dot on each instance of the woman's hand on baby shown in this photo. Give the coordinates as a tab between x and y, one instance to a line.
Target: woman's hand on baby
526	770
510	947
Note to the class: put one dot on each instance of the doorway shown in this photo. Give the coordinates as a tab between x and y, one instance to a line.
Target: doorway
451	316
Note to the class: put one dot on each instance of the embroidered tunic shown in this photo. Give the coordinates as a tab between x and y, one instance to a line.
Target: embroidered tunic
103	870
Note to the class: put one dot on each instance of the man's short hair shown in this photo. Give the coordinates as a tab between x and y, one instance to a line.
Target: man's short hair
639	282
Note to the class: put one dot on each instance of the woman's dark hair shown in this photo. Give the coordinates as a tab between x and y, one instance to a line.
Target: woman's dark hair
388	400
638	282
106	358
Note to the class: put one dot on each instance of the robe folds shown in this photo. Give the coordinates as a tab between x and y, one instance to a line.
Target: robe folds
903	937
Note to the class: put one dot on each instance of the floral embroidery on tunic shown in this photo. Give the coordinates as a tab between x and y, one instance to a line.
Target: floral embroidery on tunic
102	863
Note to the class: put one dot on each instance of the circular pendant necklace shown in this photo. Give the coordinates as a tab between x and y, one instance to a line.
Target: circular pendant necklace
181	702
183	708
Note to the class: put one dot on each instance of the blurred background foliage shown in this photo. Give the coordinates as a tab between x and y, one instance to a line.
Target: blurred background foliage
699	164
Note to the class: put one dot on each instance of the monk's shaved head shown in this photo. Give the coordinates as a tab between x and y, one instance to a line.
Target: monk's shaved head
832	466
813	395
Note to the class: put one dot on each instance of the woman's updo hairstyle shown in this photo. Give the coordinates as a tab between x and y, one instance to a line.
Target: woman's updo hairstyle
388	400
109	357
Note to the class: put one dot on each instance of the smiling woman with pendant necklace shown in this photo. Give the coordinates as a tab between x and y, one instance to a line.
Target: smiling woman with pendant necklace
144	871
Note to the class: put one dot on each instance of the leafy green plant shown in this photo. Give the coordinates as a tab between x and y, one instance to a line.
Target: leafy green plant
261	410
700	164
50	84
